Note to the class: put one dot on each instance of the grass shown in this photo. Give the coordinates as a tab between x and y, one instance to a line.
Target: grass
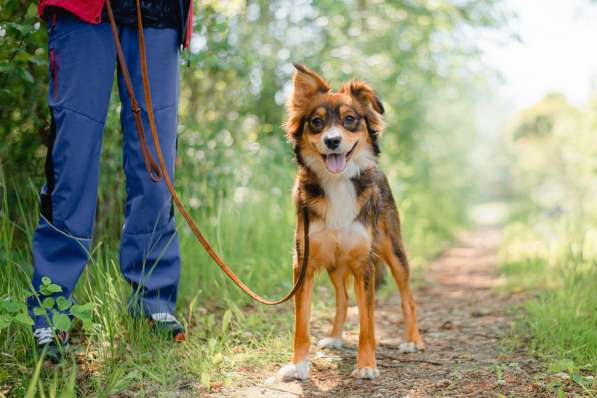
253	230
555	261
120	353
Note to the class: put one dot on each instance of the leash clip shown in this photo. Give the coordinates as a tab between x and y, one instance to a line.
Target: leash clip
136	108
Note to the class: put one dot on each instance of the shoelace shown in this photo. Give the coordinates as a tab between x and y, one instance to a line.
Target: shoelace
164	317
44	335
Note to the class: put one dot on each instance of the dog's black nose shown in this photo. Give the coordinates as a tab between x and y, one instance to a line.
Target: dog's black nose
332	142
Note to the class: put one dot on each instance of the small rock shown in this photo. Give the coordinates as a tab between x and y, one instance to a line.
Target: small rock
270	380
407	347
480	313
443	383
562	375
448	325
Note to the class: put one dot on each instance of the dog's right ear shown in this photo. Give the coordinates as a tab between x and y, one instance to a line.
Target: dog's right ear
306	84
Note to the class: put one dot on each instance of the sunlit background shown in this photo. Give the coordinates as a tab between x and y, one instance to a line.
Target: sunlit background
491	119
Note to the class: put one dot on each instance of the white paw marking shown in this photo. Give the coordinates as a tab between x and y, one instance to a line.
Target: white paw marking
294	371
330	342
365	373
405	348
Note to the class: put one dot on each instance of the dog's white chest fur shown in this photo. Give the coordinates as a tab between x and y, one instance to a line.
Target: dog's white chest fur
342	203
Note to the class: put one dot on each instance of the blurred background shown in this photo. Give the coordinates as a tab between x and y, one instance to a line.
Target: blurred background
491	118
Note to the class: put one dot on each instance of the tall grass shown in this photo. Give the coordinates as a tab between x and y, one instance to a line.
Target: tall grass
556	259
251	225
121	353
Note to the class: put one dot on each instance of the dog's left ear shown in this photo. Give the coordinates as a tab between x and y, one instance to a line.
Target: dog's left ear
364	94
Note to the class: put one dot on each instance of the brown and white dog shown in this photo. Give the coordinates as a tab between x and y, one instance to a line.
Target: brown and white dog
354	223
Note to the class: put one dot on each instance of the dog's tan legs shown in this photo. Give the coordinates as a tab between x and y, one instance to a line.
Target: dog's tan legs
364	285
299	368
338	278
302	310
411	331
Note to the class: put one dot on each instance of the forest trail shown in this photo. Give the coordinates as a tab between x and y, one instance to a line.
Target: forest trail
462	317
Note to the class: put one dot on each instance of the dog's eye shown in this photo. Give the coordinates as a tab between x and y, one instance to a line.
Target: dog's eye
349	121
317	123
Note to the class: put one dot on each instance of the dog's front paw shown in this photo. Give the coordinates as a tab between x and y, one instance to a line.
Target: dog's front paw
365	373
294	371
330	342
408	347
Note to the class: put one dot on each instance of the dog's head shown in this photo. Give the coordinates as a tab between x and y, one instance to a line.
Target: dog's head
333	132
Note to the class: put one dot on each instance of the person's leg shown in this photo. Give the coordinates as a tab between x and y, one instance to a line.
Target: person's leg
82	64
149	252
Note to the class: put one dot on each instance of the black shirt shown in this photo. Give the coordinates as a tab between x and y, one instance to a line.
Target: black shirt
156	13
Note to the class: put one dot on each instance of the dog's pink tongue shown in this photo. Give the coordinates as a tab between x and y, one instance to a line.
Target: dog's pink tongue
336	163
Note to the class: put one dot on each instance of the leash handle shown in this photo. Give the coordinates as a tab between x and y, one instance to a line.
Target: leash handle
159	170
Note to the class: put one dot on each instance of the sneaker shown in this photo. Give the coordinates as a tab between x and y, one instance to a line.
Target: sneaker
47	338
166	323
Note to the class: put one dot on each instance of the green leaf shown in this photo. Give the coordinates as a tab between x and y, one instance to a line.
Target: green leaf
82	312
39	311
23	318
578	379
63	303
45	280
12	307
61	322
48	302
4	321
54	288
87	324
561	365
25	75
31	11
87	306
226	320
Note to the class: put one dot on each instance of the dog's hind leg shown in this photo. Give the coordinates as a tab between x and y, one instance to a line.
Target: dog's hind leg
364	286
339	278
395	257
299	368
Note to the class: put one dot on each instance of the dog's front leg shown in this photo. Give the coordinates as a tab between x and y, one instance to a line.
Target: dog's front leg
299	368
338	277
364	285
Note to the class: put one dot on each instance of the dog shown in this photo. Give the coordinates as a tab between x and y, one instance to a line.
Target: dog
354	223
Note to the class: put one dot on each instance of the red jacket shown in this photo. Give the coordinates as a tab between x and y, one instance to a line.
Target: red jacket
91	11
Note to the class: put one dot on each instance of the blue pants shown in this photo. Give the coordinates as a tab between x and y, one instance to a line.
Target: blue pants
82	63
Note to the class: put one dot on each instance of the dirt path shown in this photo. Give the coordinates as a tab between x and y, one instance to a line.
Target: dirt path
462	317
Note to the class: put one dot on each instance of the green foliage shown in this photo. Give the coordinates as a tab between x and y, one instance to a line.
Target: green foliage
59	309
231	103
235	171
13	312
550	245
554	157
562	318
23	87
